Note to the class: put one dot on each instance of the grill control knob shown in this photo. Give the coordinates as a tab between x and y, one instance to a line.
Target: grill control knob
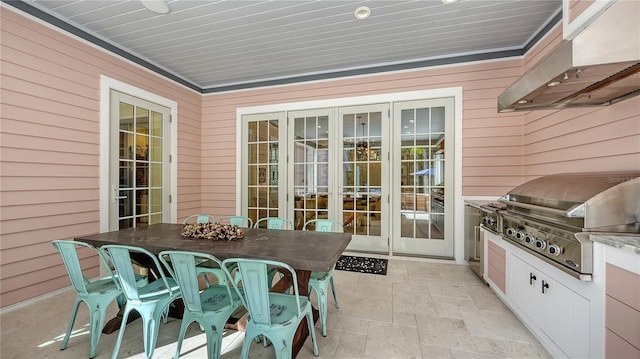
519	235
540	244
554	249
511	232
529	239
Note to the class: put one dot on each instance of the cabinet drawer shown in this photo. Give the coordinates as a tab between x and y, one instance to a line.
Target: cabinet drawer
616	348
623	321
496	257
496	265
623	286
497	277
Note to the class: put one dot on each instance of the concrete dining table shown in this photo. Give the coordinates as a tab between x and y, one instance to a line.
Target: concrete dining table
305	251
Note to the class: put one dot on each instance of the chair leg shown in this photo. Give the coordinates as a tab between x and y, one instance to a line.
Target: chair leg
282	351
333	289
312	333
214	341
150	327
96	323
123	325
321	293
72	320
183	331
249	336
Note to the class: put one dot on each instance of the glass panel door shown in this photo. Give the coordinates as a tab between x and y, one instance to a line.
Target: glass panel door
363	176
263	159
422	173
311	169
139	162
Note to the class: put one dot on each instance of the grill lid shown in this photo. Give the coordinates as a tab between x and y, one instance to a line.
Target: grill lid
601	201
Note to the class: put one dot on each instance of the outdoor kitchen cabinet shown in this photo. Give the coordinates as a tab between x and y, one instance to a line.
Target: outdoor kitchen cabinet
555	310
562	317
621	267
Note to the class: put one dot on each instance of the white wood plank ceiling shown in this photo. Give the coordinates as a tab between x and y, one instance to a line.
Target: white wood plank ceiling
215	44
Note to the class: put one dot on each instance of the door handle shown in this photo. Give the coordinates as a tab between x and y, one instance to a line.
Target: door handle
116	195
545	285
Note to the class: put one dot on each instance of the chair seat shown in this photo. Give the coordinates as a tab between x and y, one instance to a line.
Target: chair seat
320	276
216	298
283	308
157	289
102	286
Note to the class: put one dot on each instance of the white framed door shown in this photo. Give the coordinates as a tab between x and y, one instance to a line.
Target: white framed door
263	162
139	162
312	148
363	175
423	169
338	170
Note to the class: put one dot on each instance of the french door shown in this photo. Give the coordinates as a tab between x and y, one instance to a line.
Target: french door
381	173
337	171
422	221
139	162
363	174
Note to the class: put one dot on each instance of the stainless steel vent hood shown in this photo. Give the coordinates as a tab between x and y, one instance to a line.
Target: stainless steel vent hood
601	66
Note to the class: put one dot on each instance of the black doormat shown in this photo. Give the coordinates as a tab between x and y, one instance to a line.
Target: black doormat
362	265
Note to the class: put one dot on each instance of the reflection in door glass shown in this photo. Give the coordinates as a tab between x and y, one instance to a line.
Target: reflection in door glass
361	173
140	161
311	168
422	173
262	168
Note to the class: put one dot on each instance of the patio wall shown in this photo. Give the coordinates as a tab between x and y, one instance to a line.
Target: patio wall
50	148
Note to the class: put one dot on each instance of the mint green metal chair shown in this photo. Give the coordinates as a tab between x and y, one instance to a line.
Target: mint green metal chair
240	221
199	218
273	223
96	294
319	280
210	308
151	301
273	315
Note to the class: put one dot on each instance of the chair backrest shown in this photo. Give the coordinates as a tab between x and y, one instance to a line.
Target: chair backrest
69	253
199	218
120	256
183	267
240	221
324	225
274	223
252	284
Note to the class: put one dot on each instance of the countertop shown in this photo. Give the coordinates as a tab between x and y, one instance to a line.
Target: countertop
618	241
476	203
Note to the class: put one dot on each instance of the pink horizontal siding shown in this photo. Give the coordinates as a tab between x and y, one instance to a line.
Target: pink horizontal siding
581	139
495	139
50	99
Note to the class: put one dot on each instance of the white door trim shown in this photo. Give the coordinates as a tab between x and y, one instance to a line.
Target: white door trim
106	85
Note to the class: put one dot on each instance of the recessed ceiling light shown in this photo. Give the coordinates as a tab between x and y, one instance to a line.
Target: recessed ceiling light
522	102
449	1
362	13
157	6
553	83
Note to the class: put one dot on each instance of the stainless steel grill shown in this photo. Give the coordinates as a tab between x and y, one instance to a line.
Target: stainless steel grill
550	215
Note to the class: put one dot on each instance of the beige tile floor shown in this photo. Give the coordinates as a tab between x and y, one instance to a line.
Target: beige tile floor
420	309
